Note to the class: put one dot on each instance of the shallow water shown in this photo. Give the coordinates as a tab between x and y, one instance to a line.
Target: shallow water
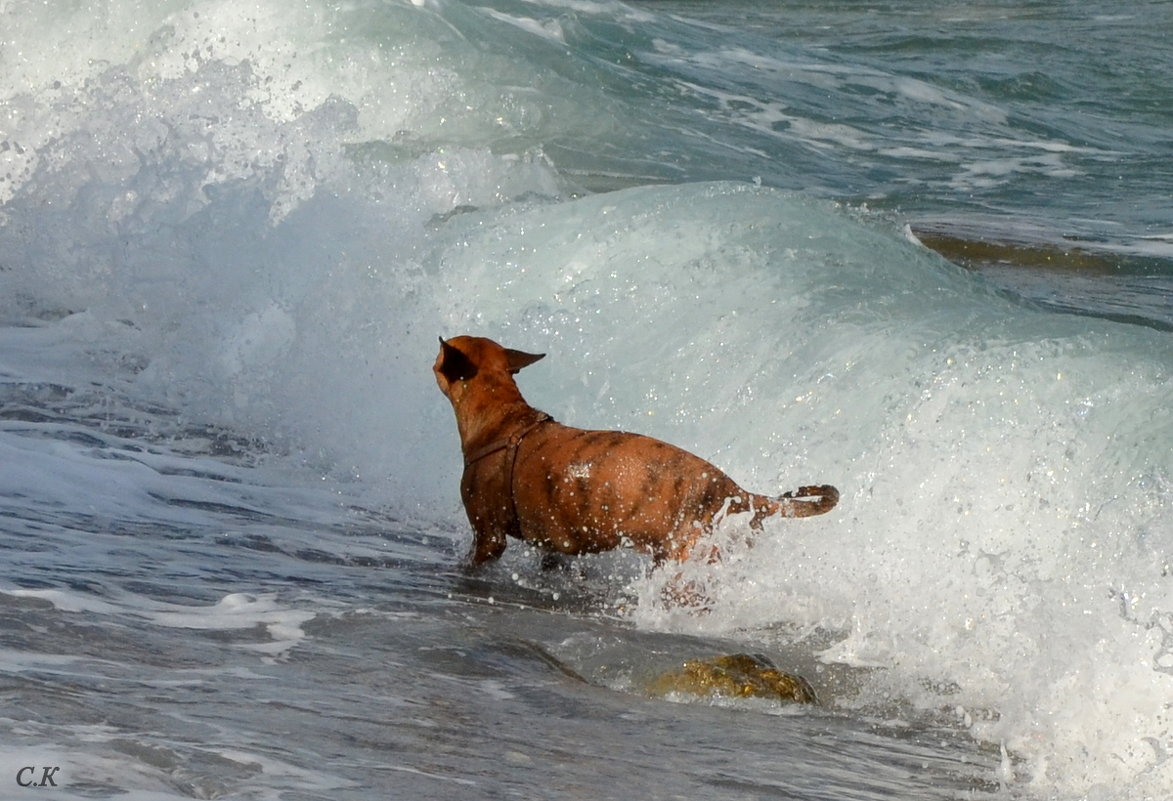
359	661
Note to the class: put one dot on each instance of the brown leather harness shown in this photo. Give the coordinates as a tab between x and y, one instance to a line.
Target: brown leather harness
510	444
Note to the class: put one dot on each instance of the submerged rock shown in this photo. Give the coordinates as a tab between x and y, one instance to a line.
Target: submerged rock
734	676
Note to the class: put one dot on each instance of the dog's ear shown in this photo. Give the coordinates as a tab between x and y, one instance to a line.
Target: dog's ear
519	359
454	365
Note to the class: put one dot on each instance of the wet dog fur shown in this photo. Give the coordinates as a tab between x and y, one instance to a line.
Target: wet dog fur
574	491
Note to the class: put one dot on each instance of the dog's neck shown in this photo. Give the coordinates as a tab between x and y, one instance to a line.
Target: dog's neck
490	414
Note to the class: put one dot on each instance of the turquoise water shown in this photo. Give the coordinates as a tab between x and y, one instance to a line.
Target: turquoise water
230	234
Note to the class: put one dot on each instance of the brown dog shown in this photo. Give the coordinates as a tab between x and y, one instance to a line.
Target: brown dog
576	491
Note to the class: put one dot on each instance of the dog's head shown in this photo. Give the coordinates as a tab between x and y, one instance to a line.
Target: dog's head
465	362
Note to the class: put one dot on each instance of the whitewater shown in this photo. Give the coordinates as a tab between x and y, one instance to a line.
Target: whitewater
922	253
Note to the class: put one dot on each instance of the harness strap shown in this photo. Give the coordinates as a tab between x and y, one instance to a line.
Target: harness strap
511	445
510	442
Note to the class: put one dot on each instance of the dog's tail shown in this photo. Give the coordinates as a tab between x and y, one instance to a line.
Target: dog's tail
805	501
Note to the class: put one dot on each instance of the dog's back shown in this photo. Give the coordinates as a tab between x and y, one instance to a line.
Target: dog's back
583	491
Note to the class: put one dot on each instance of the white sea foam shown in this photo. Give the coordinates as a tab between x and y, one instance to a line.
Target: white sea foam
236	611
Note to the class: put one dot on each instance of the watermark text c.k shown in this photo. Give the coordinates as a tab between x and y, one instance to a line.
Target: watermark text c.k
27	777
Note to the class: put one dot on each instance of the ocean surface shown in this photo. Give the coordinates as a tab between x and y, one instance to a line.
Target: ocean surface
922	251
